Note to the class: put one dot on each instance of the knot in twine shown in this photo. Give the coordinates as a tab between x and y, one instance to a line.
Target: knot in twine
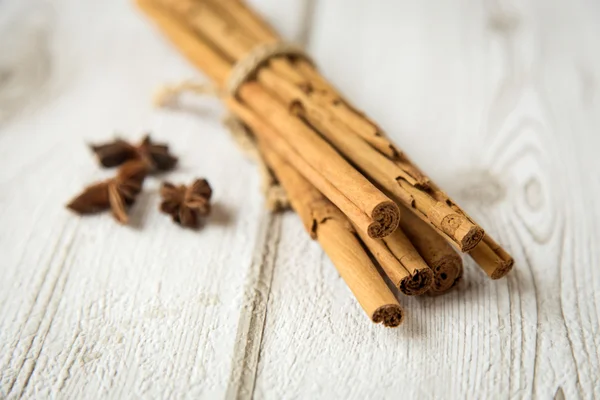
246	68
243	70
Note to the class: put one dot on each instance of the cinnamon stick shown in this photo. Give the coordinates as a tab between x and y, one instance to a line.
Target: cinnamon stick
366	205
492	258
354	120
224	33
382	215
401	179
187	41
249	21
360	274
258	29
446	264
324	222
397	180
385	172
400	262
205	19
326	94
236	41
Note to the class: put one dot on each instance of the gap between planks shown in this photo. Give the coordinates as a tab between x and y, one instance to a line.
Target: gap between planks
248	341
254	309
41	314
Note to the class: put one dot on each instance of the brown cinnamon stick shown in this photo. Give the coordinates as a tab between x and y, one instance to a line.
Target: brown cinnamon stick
446	264
401	262
396	178
492	258
249	21
232	40
205	19
356	121
322	157
385	172
382	214
187	41
326	94
333	119
324	222
360	274
354	190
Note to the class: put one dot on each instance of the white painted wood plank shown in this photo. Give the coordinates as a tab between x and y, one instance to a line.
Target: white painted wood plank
90	309
289	19
499	104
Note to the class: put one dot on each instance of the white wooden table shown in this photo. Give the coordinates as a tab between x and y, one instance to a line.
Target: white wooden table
498	101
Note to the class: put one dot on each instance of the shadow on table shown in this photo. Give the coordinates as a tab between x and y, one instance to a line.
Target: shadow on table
220	214
143	206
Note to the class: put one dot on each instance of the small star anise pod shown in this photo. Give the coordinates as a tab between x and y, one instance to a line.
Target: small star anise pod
156	155
118	193
115	153
186	204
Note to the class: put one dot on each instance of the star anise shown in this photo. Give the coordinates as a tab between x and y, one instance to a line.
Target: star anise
118	193
186	204
115	153
156	155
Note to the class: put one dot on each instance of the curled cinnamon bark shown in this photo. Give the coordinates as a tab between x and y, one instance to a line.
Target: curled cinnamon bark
366	198
214	40
321	156
401	263
446	264
364	205
327	224
492	258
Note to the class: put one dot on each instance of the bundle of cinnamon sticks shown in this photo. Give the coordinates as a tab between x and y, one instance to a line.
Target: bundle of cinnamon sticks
376	215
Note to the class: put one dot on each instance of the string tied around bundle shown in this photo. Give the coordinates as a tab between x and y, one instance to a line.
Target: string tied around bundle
243	70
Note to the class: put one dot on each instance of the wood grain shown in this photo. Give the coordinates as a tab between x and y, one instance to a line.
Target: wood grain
480	80
88	308
249	307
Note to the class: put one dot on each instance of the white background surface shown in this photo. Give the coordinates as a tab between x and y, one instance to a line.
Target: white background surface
498	101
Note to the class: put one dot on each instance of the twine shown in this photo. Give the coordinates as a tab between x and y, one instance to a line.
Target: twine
244	70
167	95
275	197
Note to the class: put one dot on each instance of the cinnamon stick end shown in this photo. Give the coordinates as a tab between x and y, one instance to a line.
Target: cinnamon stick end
503	269
446	275
390	315
386	217
471	238
492	258
417	284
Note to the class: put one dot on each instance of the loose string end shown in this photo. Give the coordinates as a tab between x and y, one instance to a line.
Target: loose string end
168	95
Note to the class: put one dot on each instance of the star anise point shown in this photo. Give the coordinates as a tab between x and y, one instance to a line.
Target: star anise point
186	204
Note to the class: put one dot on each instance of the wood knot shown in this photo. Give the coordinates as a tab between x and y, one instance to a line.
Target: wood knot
503	22
533	194
480	187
